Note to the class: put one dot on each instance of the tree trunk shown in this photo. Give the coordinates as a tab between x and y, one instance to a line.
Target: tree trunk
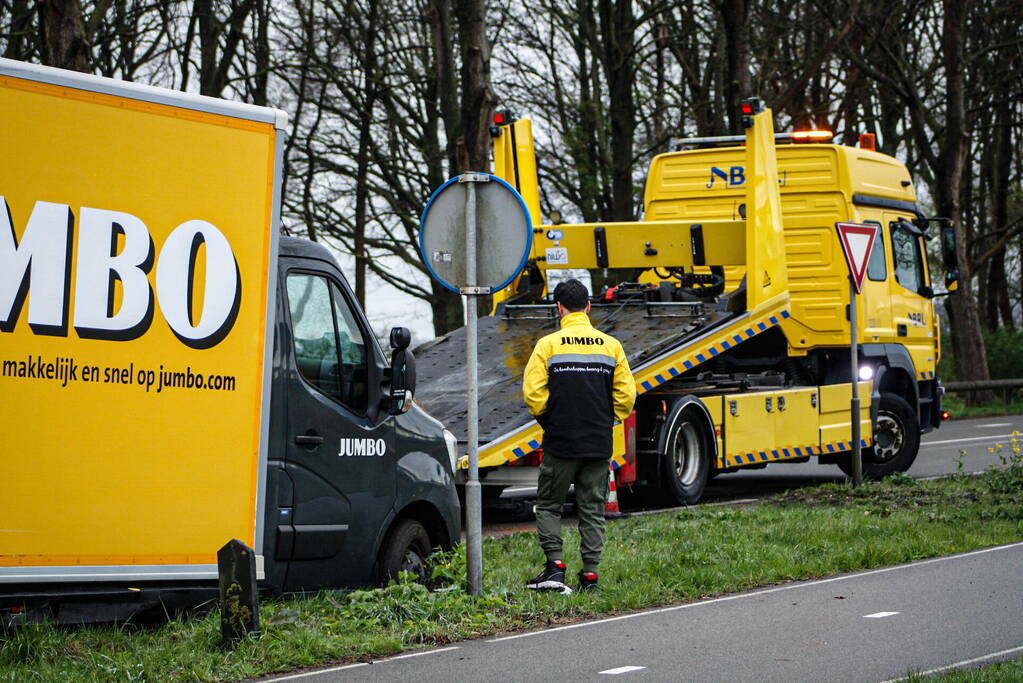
261	53
1001	176
369	67
18	45
62	35
617	26
216	57
477	110
209	34
738	83
446	307
967	341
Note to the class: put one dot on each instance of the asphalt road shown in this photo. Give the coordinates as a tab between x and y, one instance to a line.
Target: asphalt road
941	452
879	625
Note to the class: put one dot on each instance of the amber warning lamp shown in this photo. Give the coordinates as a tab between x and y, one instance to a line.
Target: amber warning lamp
812	135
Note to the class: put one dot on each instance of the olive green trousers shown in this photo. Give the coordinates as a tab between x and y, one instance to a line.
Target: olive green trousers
590	476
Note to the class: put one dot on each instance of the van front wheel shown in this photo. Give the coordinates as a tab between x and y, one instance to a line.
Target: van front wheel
405	549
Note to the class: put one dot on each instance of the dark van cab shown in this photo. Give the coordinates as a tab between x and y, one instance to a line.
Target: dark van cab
361	479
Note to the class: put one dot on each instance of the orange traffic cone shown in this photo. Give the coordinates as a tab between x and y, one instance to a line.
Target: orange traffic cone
611	508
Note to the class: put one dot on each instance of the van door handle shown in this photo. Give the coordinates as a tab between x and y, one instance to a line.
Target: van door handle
308	440
902	330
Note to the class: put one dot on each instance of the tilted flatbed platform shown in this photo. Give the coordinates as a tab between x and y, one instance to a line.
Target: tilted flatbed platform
661	340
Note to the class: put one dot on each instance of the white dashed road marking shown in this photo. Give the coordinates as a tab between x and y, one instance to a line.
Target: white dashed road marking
995	424
879	615
621	670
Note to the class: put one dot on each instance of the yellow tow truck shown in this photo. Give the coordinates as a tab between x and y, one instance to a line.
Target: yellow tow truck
736	319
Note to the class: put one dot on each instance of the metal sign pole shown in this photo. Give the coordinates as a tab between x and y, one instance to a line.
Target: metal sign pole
447	230
473	497
855	407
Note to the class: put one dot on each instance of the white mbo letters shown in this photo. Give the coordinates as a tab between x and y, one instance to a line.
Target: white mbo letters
46	247
175	277
114	246
100	263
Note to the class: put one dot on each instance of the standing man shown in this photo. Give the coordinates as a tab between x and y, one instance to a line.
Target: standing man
577	384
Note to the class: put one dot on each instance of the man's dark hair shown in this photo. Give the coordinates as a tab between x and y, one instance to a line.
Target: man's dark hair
572	294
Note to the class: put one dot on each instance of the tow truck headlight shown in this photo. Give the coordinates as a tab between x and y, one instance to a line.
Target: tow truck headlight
866	373
452	444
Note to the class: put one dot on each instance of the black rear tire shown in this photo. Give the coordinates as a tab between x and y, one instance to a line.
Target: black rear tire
406	548
685	460
896	440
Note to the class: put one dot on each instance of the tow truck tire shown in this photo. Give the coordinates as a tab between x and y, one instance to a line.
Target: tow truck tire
896	440
406	548
685	461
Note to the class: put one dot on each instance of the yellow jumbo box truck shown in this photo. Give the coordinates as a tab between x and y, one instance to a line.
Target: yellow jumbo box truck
175	376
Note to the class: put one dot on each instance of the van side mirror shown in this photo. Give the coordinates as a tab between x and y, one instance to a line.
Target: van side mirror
401	337
403	372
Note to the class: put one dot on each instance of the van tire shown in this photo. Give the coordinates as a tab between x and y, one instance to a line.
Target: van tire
895	443
685	462
406	548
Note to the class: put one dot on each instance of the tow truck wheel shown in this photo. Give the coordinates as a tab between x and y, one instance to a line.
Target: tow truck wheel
405	549
896	440
685	460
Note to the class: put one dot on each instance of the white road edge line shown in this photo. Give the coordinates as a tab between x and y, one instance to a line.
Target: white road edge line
957	665
358	664
621	670
972	438
879	615
417	654
754	594
316	673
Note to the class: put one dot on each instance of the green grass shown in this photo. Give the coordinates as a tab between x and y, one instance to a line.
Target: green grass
654	560
957	405
1002	672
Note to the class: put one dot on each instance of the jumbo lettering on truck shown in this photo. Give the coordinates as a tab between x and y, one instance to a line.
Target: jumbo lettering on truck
171	376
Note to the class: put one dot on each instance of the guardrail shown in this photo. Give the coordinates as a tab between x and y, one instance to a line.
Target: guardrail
1006	386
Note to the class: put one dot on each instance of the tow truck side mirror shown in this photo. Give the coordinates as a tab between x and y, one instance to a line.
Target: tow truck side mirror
949	256
402	372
